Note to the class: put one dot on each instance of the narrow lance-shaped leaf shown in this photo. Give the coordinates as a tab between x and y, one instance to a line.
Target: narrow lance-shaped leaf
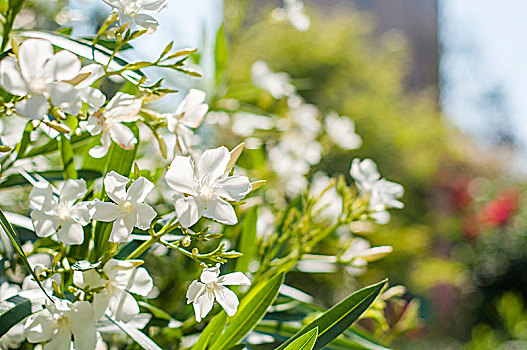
138	336
337	319
213	330
66	157
251	310
305	341
12	311
13	237
247	240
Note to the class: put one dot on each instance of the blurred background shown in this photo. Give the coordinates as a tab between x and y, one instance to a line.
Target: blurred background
436	89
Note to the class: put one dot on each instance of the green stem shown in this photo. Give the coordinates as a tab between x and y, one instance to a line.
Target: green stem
154	238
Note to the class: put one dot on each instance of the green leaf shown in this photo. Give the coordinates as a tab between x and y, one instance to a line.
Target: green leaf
13	310
251	310
66	157
213	329
25	141
220	55
305	341
49	175
52	145
87	50
138	336
247	240
337	319
13	237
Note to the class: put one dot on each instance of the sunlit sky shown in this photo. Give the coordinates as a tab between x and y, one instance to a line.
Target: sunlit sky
485	50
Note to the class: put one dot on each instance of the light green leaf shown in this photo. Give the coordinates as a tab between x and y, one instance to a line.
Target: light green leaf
251	310
66	158
49	175
13	310
213	329
220	55
305	341
25	141
247	240
13	237
337	319
139	337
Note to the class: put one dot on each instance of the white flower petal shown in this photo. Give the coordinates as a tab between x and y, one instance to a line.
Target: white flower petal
123	136
93	97
71	232
122	228
233	188
221	211
180	175
213	163
227	299
45	225
101	151
71	191
123	306
210	274
139	189
10	77
64	64
35	107
60	341
41	196
188	211
144	214
81	212
115	186
106	211
154	5
123	107
203	305
140	282
235	279
82	324
65	96
40	327
195	290
32	57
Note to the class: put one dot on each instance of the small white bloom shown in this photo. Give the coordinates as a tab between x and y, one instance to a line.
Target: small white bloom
139	11
208	187
128	209
244	124
42	76
296	15
359	252
62	214
202	294
121	108
341	130
277	84
121	278
329	203
189	115
382	193
61	321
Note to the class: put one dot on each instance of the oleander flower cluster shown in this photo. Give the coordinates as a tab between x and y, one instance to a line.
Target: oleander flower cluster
113	193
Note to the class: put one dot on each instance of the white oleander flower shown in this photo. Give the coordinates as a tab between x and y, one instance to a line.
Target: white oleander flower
62	322
341	130
128	209
122	108
382	193
208	187
202	294
244	124
43	76
329	202
61	215
93	97
360	252
189	115
120	280
277	84
138	11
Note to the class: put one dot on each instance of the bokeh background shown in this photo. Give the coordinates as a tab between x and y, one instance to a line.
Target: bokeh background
437	91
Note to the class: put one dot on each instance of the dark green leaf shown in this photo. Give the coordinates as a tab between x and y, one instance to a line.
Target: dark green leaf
25	141
251	310
12	311
337	319
49	175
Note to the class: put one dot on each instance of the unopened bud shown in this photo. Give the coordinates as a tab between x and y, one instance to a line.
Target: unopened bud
186	241
195	252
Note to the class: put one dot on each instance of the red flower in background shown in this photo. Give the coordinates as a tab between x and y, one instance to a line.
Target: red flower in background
498	211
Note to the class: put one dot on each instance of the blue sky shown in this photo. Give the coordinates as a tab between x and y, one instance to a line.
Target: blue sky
484	49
